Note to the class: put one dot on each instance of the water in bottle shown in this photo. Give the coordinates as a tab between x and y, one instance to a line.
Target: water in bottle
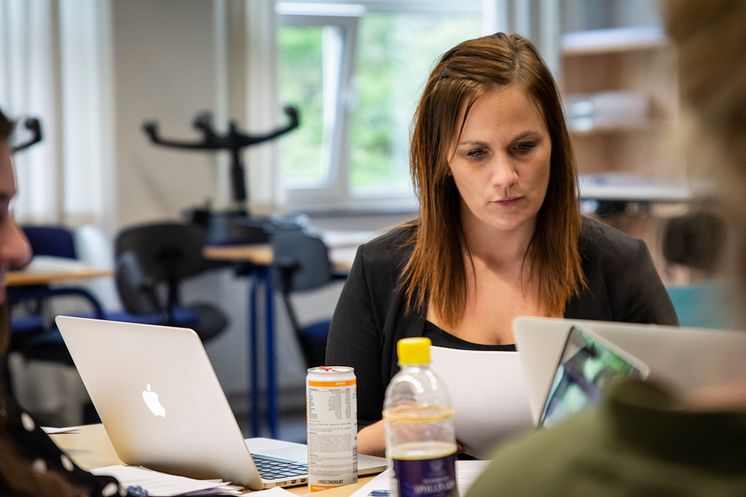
420	438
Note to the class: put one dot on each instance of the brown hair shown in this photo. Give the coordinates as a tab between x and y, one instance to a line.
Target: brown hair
436	269
6	126
6	129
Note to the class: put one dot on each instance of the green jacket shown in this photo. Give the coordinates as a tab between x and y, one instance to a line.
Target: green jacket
636	443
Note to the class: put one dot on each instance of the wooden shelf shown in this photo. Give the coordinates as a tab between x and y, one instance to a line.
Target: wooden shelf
630	187
626	161
637	60
612	40
648	126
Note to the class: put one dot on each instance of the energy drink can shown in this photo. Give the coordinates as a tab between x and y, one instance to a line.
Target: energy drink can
331	412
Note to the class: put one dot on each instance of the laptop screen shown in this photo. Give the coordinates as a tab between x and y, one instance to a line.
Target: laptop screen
587	365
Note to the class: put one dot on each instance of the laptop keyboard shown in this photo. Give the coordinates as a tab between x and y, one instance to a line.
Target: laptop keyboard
271	468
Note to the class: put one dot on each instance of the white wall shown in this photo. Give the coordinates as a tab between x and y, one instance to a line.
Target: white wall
163	70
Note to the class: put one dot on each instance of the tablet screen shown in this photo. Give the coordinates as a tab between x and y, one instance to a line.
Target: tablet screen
587	365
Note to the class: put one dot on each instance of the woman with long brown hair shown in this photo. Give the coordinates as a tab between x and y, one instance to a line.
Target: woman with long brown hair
499	232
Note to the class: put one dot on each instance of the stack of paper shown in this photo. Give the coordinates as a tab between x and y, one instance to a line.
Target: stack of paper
163	484
489	395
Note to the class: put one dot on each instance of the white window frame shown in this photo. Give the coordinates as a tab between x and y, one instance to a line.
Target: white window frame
336	192
346	17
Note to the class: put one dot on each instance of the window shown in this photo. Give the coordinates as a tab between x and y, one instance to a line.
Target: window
356	73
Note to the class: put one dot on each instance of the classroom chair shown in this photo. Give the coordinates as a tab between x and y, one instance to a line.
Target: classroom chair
40	370
32	331
301	264
696	240
152	260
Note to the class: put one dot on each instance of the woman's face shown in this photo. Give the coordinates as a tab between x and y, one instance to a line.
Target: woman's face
501	162
14	247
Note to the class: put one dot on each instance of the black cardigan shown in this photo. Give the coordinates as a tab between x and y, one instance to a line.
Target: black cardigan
622	285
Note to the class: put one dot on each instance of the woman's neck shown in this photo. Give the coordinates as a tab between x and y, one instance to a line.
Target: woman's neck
497	248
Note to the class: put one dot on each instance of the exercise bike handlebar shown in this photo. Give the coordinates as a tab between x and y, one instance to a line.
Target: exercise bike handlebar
232	140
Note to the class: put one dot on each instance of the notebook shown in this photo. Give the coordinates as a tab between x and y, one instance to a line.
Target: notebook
163	407
681	358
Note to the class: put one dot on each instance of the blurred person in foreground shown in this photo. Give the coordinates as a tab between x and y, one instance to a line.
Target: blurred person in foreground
30	463
643	440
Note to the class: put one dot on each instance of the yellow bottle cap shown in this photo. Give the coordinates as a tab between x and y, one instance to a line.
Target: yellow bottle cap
413	351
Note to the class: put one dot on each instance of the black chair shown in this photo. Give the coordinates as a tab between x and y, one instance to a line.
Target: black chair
695	240
227	228
152	261
301	264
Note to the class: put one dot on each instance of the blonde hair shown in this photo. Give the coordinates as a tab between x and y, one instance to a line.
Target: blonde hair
710	37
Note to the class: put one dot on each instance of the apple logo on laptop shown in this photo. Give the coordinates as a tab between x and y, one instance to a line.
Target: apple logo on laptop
151	400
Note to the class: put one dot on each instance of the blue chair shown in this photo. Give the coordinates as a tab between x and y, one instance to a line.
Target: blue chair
707	304
32	335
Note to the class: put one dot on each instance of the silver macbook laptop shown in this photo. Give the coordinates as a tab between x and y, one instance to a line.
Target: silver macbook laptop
163	407
682	358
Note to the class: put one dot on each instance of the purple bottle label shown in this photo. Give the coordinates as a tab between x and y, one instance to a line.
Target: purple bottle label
426	477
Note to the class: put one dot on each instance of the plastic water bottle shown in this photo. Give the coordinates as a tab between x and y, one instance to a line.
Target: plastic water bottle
420	438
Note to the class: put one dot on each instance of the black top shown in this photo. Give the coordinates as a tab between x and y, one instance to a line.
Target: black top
43	454
622	285
441	338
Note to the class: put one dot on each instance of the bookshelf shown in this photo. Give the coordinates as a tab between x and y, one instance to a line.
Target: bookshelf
635	63
606	66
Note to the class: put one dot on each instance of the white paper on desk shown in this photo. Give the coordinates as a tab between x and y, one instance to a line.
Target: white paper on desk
46	264
466	473
488	393
272	492
161	484
49	430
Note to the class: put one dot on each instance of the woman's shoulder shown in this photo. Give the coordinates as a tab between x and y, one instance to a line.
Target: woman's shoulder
392	247
601	240
379	262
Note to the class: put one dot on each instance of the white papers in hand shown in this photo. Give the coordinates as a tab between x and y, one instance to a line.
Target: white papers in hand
162	484
488	393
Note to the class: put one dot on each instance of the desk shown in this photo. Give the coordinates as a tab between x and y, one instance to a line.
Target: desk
45	270
259	256
90	448
31	282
